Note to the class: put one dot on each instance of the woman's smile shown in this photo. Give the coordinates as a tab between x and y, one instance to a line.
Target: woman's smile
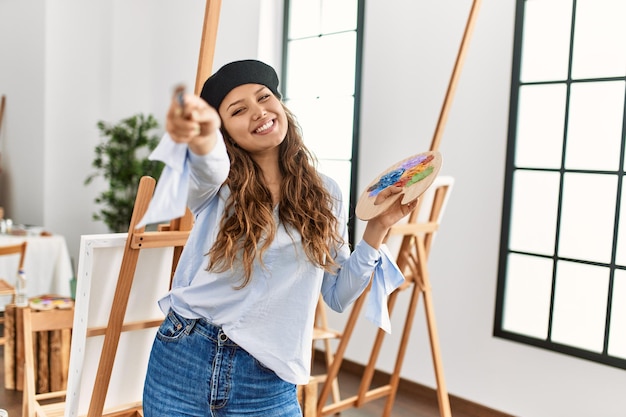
265	127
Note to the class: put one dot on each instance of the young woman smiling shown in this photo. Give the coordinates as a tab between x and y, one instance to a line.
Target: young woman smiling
270	234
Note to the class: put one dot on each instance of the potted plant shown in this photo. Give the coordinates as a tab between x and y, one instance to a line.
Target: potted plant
122	159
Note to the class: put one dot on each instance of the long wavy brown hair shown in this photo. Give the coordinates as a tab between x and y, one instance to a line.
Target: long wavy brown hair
247	228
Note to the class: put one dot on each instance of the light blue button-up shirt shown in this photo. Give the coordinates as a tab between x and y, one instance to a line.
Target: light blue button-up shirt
272	317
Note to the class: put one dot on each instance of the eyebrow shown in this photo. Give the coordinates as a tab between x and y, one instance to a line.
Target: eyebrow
240	100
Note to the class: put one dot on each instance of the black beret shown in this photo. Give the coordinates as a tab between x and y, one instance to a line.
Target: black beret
237	73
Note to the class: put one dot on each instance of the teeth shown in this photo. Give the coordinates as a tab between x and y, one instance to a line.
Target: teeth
265	126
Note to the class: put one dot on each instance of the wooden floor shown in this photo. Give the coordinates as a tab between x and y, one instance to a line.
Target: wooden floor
412	400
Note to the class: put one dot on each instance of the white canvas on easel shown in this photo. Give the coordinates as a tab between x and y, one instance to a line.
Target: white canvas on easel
98	268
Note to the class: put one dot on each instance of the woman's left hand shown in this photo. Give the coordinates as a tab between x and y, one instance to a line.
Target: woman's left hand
397	210
377	227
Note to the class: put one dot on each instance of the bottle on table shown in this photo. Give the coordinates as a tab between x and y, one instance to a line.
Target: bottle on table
21	297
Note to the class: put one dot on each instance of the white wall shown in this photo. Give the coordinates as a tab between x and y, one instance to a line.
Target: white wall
65	64
22	34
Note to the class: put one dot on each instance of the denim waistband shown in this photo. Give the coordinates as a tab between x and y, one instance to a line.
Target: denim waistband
201	326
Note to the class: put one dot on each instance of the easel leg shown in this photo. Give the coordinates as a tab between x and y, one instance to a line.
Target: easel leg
442	392
408	325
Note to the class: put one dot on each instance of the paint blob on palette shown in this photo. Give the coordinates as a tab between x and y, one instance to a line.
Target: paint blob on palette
413	174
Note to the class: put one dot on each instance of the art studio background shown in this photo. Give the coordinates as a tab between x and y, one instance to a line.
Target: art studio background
67	64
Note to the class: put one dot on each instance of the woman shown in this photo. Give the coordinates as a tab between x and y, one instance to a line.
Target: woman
269	235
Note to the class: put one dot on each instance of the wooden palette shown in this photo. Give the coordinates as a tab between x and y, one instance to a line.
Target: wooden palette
414	174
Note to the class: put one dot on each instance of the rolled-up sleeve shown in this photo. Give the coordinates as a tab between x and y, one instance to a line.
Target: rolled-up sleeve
187	180
207	174
341	289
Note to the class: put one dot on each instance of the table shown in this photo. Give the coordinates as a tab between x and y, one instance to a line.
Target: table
47	265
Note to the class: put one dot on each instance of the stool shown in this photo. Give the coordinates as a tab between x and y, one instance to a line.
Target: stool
5	289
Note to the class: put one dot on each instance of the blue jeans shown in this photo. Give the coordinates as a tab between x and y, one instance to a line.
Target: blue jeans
196	370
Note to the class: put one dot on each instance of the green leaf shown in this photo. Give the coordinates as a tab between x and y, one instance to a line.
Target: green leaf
117	161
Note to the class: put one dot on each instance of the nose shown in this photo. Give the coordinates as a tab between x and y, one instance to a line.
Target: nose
259	112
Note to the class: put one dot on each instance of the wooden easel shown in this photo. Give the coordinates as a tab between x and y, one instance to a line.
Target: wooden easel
417	237
412	260
174	235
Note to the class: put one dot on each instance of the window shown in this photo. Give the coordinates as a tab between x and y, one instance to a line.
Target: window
562	273
321	78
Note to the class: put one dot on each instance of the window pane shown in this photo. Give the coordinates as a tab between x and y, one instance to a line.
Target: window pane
599	39
595	125
336	64
321	66
332	138
620	253
527	295
534	212
617	336
545	41
580	305
303	79
541	119
304	18
588	217
339	15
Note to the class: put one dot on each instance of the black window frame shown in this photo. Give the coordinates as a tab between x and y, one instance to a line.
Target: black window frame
516	84
354	159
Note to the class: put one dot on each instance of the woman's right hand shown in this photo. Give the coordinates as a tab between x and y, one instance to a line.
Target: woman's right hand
194	123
